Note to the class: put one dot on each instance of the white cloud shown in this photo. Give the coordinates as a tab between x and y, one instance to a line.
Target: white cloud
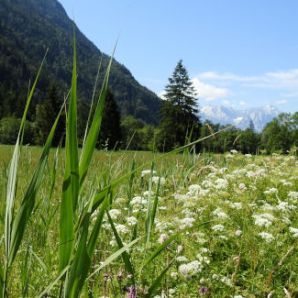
285	80
216	76
209	92
281	102
162	95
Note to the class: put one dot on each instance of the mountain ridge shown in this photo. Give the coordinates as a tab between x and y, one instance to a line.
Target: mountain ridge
258	117
28	28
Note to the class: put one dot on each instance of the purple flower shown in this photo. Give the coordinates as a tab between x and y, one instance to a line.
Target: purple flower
132	293
203	290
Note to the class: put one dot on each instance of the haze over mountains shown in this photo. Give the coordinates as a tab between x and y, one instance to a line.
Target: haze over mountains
242	119
27	29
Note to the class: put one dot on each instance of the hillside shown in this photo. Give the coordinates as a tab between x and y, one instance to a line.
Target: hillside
27	29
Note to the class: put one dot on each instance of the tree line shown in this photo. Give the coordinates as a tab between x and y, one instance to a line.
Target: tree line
179	124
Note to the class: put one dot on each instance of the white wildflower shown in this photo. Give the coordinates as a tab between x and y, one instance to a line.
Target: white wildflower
138	201
160	180
190	269
182	259
147	172
186	222
266	236
242	186
131	221
114	213
236	205
294	231
218	228
293	195
264	219
162	238
238	233
221	183
219	213
271	191
121	229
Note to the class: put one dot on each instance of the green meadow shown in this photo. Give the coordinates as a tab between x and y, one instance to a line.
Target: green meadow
223	225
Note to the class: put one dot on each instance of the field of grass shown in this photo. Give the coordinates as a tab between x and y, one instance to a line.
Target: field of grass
195	225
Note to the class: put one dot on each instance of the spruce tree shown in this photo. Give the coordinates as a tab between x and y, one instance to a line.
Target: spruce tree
180	123
46	113
110	132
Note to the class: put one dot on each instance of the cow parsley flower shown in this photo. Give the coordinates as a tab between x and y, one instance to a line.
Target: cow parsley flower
294	231
131	221
190	269
218	228
266	236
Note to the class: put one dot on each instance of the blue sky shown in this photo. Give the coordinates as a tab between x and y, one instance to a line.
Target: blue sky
238	53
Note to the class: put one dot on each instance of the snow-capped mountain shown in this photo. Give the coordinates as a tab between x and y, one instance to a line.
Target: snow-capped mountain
259	117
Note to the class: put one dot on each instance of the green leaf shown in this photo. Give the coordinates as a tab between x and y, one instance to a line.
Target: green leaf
114	256
81	263
156	283
71	176
24	212
12	174
160	249
91	139
125	254
51	285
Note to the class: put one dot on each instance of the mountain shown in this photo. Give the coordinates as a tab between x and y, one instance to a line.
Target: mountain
242	119
27	29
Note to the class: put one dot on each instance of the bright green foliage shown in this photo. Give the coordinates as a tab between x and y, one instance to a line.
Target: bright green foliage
9	128
137	135
276	136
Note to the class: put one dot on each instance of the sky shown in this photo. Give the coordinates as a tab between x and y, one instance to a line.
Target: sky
238	53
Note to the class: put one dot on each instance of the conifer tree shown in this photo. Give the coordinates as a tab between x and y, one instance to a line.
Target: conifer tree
180	122
110	132
46	113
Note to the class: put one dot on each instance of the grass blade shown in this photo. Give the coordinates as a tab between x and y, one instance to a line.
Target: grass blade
23	214
92	100
71	176
82	258
156	284
125	254
159	250
114	256
51	285
12	175
91	139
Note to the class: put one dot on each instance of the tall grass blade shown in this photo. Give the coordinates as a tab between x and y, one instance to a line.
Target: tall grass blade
113	257
82	259
91	139
159	250
92	100
47	290
156	283
125	254
12	174
151	213
24	212
71	175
